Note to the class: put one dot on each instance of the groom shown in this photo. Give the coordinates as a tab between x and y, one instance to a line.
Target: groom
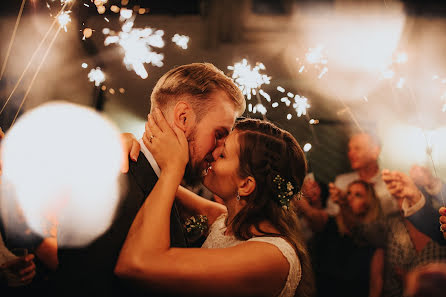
202	101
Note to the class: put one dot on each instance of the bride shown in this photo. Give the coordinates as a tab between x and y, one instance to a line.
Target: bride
254	246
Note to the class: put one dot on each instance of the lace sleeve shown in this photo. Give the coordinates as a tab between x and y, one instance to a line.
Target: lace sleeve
295	271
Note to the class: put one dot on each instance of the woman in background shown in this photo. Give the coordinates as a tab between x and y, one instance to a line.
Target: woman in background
343	266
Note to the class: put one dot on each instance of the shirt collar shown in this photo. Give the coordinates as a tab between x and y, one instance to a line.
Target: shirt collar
150	158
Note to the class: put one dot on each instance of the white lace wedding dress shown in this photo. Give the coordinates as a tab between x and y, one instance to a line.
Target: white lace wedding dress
218	239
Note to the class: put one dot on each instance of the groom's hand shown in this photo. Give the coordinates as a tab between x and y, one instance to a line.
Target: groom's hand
130	146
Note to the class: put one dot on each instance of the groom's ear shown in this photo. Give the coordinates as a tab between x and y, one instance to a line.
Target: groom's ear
183	116
247	186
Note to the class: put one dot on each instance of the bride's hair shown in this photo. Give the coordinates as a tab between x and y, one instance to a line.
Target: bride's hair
267	151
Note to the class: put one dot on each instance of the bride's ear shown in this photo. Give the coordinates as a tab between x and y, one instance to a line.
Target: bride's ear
247	186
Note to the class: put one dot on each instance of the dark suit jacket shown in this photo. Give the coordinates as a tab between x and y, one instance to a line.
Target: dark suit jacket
426	220
88	271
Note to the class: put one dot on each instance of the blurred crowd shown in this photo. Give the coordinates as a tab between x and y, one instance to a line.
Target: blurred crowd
371	232
374	232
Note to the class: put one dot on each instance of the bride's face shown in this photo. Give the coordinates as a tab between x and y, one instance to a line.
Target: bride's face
222	178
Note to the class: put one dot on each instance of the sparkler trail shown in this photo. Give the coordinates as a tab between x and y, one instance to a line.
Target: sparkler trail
41	63
12	39
348	110
35	74
32	58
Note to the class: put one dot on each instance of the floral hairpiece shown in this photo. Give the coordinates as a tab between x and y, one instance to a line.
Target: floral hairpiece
285	191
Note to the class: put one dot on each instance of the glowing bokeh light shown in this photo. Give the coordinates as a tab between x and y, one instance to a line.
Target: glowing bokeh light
180	40
97	76
70	171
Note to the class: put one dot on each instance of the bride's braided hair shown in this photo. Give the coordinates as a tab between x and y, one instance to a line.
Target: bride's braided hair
267	151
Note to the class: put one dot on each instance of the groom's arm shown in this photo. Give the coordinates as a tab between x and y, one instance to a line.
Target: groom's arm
198	205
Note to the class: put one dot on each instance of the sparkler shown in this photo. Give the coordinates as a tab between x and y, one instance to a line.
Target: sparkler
316	57
64	18
247	79
38	68
97	76
180	40
137	45
300	105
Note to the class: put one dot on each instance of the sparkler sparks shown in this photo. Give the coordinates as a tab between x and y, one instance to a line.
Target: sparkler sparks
97	76
247	79
315	55
300	105
125	14
180	40
63	19
137	44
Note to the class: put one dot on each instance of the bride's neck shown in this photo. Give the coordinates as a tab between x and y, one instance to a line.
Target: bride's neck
233	206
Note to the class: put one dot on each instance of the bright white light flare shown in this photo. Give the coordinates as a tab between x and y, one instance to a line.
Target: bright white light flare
125	14
300	105
307	147
63	19
180	40
70	172
97	76
137	45
247	79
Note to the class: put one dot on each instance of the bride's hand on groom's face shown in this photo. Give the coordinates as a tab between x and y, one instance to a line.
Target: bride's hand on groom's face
168	146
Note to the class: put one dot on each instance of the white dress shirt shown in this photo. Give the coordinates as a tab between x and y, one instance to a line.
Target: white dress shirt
150	158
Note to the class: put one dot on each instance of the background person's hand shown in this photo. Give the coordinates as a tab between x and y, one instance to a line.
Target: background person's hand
420	175
442	212
336	195
130	147
168	146
19	271
401	186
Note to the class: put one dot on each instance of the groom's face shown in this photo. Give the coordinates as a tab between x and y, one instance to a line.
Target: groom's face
208	134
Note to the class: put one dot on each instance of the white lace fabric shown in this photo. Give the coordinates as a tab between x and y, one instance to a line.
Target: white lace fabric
218	239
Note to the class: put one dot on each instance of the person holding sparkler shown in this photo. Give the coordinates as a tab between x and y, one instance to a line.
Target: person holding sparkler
363	152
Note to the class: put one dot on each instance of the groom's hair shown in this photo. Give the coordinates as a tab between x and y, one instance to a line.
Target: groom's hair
194	83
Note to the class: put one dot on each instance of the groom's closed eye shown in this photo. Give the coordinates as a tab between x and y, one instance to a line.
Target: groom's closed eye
221	133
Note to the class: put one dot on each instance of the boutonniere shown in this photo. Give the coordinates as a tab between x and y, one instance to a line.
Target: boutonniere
196	225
